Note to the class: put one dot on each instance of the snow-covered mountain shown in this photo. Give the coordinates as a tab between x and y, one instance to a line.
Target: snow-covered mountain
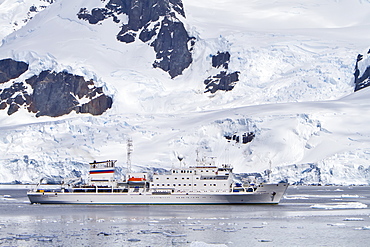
258	84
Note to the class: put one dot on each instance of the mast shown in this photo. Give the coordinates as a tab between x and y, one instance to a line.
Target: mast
129	152
269	171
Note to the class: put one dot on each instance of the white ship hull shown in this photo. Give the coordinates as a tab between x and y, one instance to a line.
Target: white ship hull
265	194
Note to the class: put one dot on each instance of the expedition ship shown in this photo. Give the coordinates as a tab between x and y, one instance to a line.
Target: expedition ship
201	184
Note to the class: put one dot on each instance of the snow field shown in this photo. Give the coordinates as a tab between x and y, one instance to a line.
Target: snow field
296	63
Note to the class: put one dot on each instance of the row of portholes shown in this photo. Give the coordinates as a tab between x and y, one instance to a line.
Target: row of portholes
185	185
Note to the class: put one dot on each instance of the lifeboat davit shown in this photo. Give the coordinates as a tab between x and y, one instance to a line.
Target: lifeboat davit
134	180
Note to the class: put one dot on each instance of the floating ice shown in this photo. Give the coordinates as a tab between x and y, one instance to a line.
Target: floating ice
203	244
148	232
350	196
25	237
343	205
7	199
45	239
172	234
295	197
337	224
264	240
230	230
198	229
353	219
133	240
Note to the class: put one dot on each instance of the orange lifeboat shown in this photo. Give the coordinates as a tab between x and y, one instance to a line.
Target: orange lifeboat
134	180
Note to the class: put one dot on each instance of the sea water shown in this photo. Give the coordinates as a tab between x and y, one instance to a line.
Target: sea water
307	216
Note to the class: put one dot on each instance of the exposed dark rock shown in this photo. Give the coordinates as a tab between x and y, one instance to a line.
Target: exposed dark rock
170	39
247	137
54	94
97	14
7	93
171	48
221	59
3	105
33	8
127	37
221	81
13	108
97	106
27	98
147	34
19	100
11	69
361	81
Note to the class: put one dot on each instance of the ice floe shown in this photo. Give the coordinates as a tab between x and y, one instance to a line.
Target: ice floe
203	244
343	205
353	219
333	197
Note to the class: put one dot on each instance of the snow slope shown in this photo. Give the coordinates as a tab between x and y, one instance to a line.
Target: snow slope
15	14
296	61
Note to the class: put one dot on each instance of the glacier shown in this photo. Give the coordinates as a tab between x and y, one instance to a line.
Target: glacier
295	92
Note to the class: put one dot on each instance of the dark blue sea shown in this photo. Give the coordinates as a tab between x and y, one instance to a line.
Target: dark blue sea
307	216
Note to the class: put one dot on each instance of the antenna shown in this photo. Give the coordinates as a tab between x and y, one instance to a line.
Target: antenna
129	152
180	157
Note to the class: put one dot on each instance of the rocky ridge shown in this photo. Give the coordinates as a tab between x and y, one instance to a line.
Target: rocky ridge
54	94
153	22
361	81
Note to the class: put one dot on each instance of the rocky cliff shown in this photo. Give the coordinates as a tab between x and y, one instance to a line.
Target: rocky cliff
361	80
153	22
53	94
224	80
